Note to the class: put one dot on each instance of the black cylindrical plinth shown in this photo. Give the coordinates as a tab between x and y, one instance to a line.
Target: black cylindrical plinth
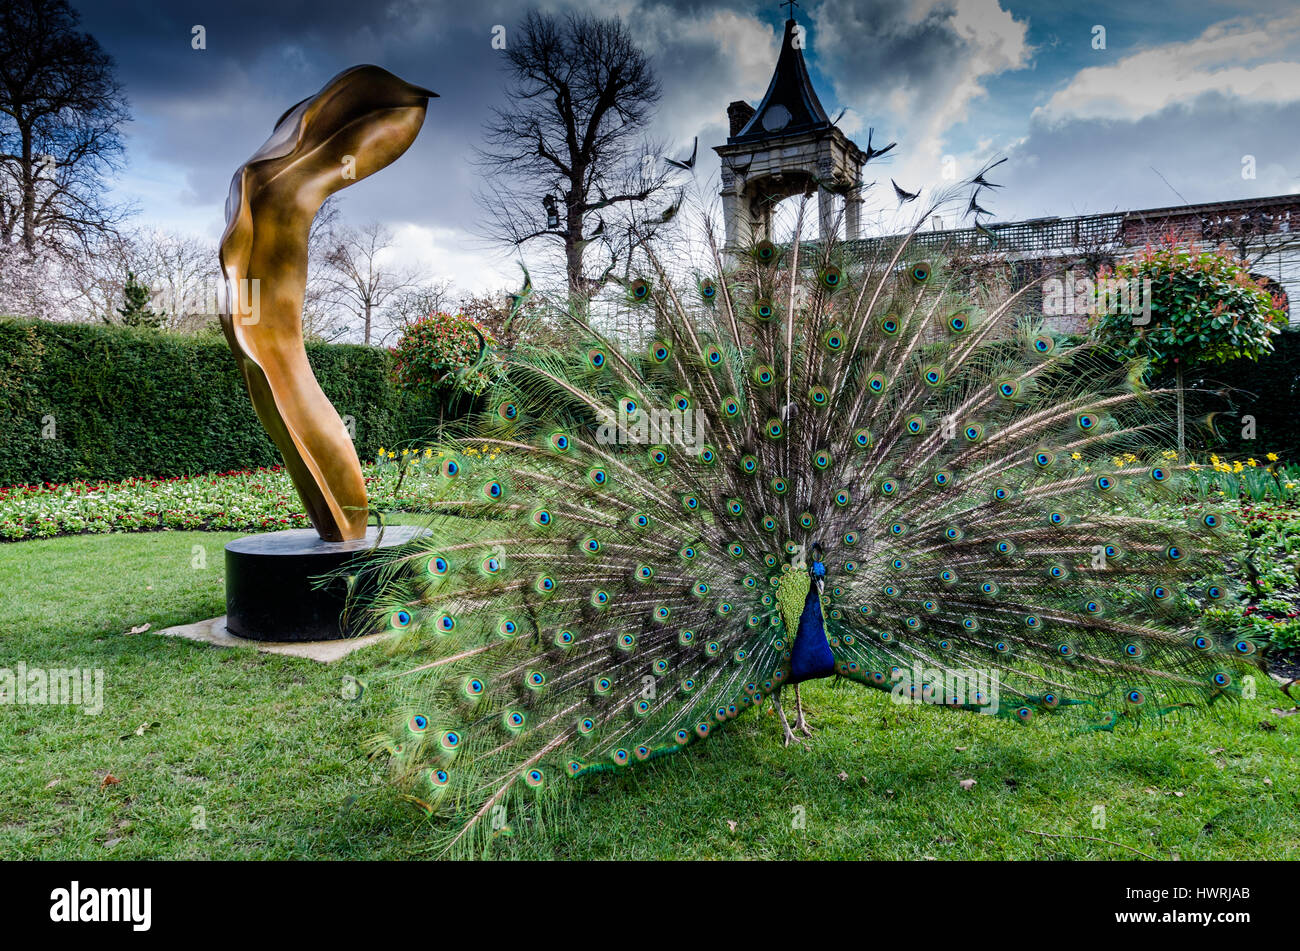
272	583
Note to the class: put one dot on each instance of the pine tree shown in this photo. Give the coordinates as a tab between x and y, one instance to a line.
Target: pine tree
137	312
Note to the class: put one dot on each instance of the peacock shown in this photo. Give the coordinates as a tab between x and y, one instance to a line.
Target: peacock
827	459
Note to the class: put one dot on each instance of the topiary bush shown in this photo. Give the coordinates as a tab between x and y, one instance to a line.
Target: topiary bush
1206	309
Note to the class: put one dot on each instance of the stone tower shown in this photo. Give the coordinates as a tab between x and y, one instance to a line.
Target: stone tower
787	146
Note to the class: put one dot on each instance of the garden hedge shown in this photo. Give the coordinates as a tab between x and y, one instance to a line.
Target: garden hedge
1266	389
82	401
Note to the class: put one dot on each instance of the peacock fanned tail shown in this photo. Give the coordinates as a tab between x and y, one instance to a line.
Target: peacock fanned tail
820	450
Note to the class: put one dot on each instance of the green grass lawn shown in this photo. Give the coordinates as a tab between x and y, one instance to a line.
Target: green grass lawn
257	756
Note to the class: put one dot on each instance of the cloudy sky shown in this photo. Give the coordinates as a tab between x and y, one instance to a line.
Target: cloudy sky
1165	113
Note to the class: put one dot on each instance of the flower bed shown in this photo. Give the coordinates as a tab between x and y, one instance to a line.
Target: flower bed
256	499
240	501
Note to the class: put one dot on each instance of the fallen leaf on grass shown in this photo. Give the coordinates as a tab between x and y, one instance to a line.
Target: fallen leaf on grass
967	784
139	629
1278	711
52	783
140	730
731	824
109	780
842	776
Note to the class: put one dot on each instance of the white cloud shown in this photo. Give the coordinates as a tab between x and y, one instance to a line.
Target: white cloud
705	62
445	253
925	62
1240	57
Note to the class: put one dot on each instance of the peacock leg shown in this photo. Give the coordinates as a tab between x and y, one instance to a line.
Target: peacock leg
785	724
799	723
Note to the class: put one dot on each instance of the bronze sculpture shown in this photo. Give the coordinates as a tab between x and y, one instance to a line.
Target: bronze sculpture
359	123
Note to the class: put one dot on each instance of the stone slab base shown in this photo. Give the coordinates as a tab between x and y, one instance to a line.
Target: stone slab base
214	632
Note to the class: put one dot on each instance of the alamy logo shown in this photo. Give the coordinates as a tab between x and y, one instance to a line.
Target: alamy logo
647	427
73	904
37	686
1105	295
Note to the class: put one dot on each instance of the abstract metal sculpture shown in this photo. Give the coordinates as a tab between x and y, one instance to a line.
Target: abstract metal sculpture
359	123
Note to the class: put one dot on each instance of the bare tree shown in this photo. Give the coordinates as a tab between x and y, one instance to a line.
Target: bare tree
414	303
24	283
181	272
61	111
93	284
321	318
533	324
356	278
566	160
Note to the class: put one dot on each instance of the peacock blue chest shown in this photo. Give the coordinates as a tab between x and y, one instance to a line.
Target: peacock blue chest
810	656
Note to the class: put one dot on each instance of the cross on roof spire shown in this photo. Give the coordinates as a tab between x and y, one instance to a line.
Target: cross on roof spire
791	4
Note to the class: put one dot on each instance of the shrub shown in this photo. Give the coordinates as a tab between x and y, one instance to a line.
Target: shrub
1206	308
441	353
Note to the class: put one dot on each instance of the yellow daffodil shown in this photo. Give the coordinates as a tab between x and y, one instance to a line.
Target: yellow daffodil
1251	463
1271	457
1076	455
1194	467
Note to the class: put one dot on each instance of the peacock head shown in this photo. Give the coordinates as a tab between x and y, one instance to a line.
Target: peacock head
817	567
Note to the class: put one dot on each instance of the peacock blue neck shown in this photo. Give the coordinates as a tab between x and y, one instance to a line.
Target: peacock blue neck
810	657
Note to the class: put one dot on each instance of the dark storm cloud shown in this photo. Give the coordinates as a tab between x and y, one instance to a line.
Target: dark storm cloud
918	71
901	51
207	110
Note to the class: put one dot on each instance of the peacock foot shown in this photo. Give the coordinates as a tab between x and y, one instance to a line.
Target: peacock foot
802	726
